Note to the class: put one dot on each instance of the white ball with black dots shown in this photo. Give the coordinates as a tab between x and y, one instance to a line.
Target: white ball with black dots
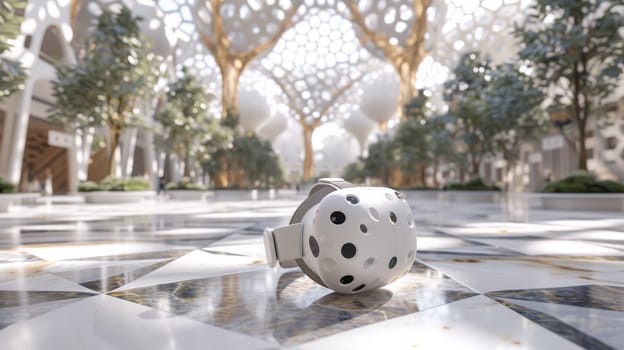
346	238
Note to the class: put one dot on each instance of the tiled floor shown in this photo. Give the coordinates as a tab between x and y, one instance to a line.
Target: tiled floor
186	275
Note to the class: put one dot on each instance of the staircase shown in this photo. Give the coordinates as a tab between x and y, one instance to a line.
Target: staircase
39	156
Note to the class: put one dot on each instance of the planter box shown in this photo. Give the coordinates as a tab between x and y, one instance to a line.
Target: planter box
427	195
455	196
235	195
111	197
61	199
583	201
470	196
8	199
189	195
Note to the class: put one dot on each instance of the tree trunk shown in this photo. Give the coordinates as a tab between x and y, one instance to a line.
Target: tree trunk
423	175
187	162
582	155
580	73
308	159
462	173
407	77
114	144
436	164
474	162
230	76
166	170
509	168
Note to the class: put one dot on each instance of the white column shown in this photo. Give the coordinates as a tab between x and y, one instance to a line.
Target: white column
84	141
149	151
175	166
161	163
7	134
149	158
72	168
17	127
127	151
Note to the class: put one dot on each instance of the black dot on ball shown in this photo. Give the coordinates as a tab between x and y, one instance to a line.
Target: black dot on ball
346	279
337	217
392	262
363	228
393	217
353	199
348	250
399	195
314	247
358	288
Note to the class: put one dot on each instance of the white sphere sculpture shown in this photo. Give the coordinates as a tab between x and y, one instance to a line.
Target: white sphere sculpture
274	127
359	126
380	99
253	109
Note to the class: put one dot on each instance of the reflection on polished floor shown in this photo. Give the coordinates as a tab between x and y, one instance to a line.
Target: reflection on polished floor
186	275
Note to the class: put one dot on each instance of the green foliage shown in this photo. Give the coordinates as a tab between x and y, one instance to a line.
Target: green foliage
354	172
89	186
583	183
186	124
464	93
257	159
412	141
493	108
116	185
442	139
12	75
416	108
251	155
420	188
185	185
412	138
420	141
475	184
103	87
6	187
383	156
576	49
231	119
131	184
512	107
219	139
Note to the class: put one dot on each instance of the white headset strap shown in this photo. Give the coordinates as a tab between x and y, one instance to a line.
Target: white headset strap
321	189
285	244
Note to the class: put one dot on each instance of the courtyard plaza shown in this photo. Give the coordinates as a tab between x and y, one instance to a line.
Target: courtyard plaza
167	274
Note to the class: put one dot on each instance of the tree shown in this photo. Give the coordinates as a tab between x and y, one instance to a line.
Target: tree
464	93
404	55
185	120
412	138
12	74
442	145
383	157
512	102
313	87
253	158
313	119
102	89
247	40
355	172
576	51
